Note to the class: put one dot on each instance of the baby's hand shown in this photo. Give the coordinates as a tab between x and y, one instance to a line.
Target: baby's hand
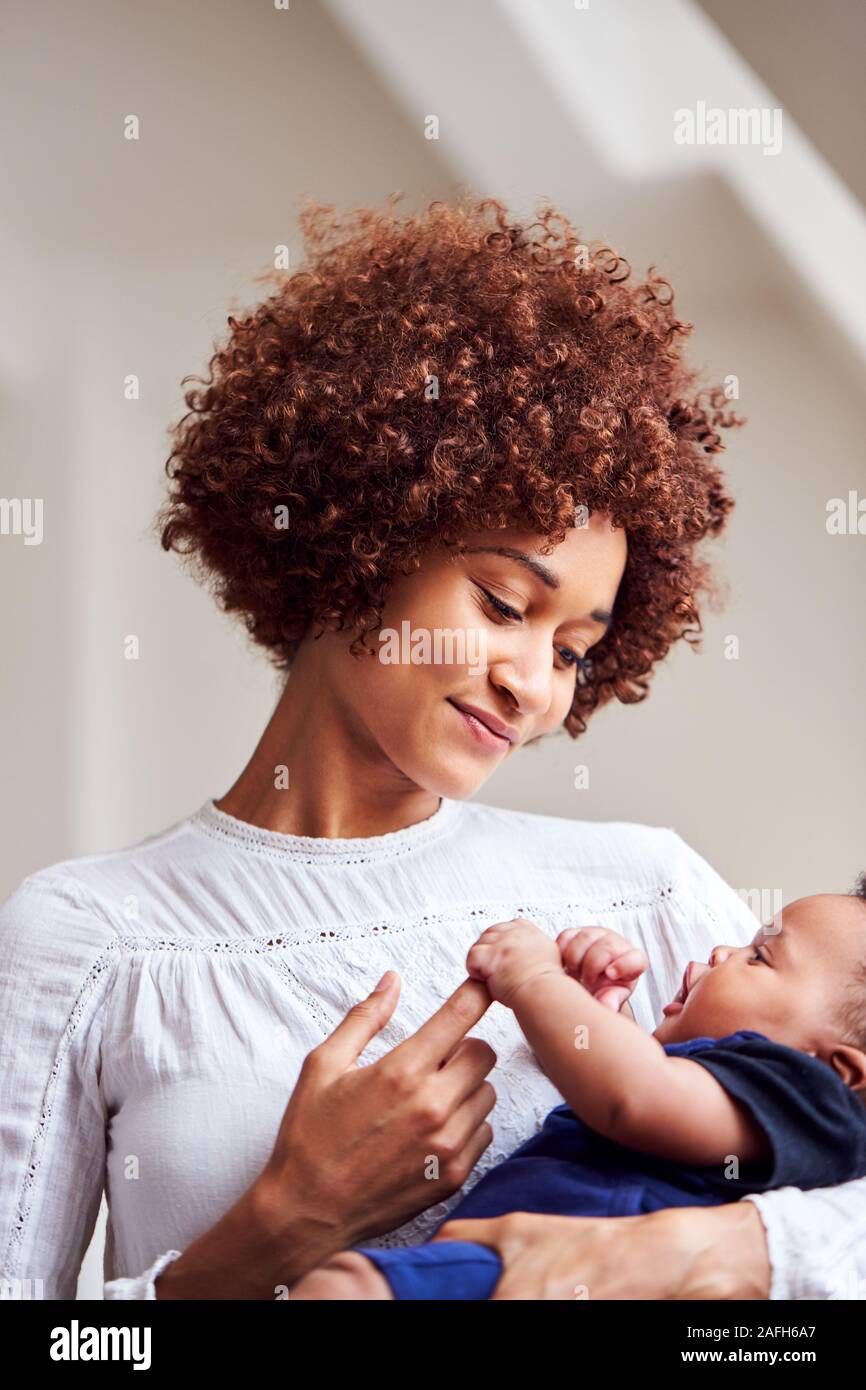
509	955
605	963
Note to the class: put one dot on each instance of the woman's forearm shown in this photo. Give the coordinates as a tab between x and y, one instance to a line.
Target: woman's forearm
720	1252
672	1254
253	1252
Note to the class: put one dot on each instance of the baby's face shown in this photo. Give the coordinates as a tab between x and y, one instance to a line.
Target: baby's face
788	983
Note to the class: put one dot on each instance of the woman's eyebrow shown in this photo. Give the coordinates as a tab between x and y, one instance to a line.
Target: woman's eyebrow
547	576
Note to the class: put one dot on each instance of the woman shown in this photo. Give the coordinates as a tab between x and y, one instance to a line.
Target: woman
453	477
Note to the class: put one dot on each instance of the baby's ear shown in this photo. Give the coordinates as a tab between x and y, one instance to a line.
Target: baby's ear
850	1064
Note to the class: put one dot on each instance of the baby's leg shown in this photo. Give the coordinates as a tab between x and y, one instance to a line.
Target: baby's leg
345	1276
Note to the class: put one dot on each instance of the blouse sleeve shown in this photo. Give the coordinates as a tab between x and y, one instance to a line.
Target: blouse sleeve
141	1285
816	1240
56	963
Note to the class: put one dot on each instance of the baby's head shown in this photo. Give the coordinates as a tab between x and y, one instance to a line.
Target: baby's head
802	982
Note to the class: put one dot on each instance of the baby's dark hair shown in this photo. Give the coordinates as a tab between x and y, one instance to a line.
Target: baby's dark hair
853	1011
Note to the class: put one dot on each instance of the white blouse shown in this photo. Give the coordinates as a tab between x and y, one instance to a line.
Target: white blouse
156	1004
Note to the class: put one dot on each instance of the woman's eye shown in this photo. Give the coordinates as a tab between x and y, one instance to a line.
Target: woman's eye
502	608
572	659
757	954
581	664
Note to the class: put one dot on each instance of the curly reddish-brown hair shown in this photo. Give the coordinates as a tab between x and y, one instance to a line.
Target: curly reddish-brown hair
428	375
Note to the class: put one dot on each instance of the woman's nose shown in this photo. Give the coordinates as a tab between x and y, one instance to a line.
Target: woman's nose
528	683
719	954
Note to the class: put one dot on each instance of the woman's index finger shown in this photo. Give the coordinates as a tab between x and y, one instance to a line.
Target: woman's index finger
436	1038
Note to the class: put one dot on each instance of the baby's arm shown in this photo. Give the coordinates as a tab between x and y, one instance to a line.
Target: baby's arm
619	1079
612	1074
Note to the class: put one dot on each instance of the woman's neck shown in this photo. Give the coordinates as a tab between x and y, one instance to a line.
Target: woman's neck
315	772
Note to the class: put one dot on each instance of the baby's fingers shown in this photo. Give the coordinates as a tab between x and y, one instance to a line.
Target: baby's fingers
612	965
628	965
612	998
610	958
479	960
574	943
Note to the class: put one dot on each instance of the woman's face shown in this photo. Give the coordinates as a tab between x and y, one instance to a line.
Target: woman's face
478	653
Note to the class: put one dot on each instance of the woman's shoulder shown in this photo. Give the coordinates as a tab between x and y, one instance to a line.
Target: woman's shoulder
93	899
52	938
623	852
616	840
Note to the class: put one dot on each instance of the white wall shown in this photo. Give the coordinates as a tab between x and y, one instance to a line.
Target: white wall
126	259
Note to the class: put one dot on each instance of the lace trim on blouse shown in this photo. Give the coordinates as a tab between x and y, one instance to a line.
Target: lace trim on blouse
311	849
490	909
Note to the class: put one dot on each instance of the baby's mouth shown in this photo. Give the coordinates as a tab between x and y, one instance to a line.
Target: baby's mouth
682	994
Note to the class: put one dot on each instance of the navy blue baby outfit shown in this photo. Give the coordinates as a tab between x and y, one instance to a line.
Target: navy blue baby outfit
815	1124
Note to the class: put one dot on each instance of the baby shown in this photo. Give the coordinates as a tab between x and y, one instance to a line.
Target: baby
755	1079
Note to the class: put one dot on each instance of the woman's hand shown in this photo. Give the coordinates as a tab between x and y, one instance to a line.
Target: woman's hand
678	1253
605	963
509	955
359	1150
370	1147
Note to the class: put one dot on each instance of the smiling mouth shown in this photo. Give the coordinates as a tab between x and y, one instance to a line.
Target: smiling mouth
493	735
681	995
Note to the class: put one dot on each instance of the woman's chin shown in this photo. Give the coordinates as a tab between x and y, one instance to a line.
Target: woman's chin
454	778
457	785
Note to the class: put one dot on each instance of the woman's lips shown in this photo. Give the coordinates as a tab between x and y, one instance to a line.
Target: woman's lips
481	732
